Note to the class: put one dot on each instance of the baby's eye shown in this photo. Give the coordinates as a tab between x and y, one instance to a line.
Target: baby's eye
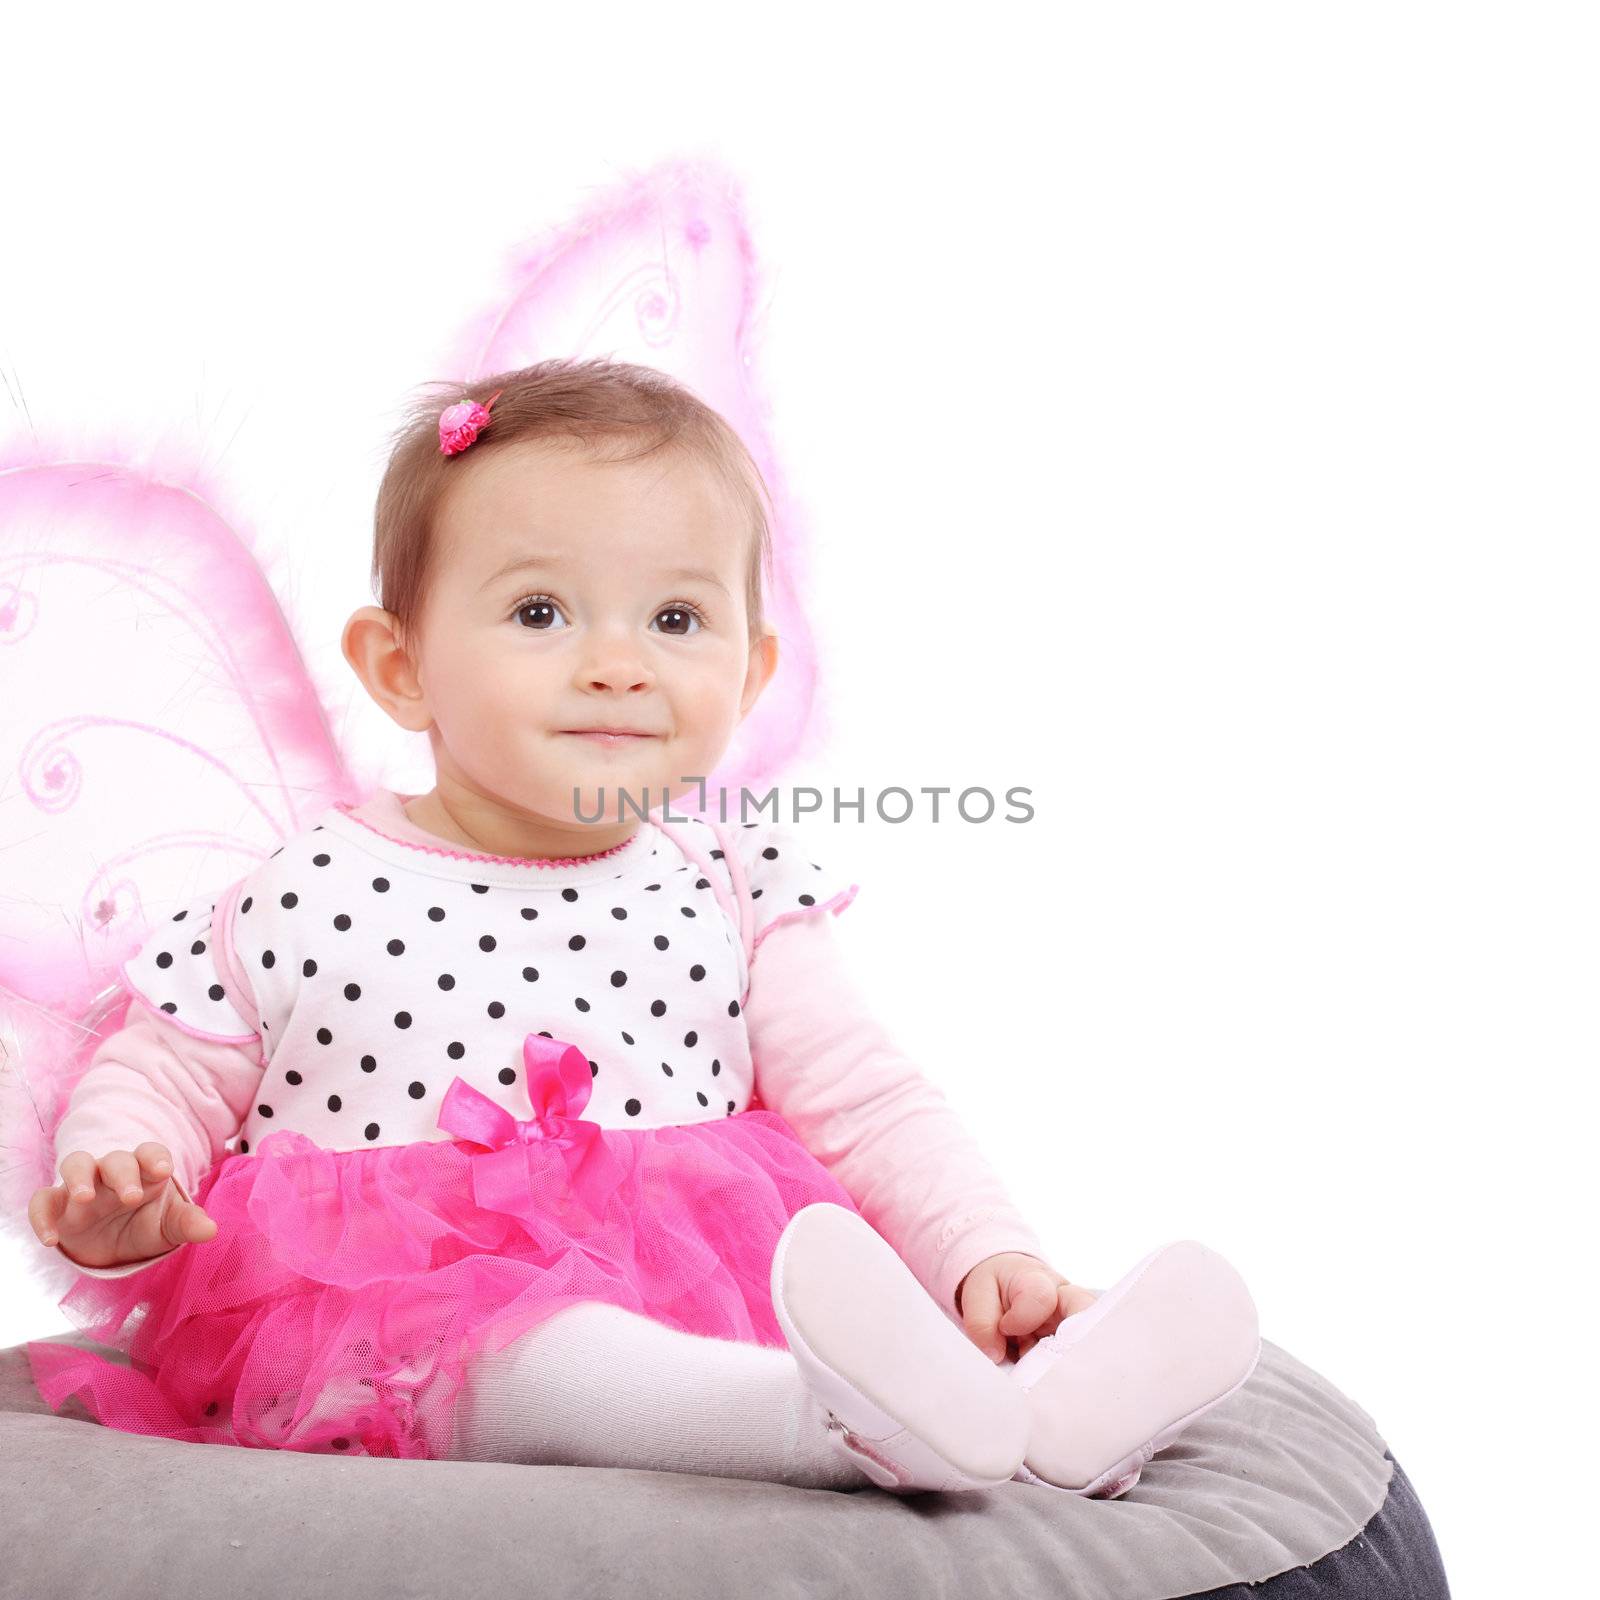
680	615
542	607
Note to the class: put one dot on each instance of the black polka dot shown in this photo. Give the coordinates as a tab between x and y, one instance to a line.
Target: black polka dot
770	853
289	901
733	1008
321	861
198	948
164	960
352	991
531	974
756	894
702	883
618	979
309	968
633	1108
701	1098
496	1009
581	1003
594	1069
716	1067
480	888
691	1039
446	981
808	900
396	947
435	913
730	1108
688	911
216	991
627	1038
486	943
402	1019
569	895
291	1076
456	1050
576	942
179	916
244	1146
371	1130
369	1064
662	941
416	1090
652	885
169	1006
658	1008
697	972
248	901
334	1102
267	958
265	1111
381	885
324	1036
619	913
528	913
666	1069
508	1074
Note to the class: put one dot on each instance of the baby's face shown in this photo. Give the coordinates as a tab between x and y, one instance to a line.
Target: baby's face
571	594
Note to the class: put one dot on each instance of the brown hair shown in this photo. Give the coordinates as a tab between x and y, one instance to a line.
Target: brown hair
582	402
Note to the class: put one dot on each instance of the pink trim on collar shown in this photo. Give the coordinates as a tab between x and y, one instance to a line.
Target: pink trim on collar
349	810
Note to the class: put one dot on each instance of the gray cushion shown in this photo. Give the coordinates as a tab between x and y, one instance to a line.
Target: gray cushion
1285	1477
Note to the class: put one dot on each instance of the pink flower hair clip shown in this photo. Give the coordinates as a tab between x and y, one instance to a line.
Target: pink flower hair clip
461	423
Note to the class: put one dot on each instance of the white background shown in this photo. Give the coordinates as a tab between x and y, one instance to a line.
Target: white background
1196	408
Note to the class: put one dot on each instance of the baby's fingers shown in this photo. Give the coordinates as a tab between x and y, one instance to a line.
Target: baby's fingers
980	1312
1075	1298
189	1224
78	1175
119	1171
155	1161
1033	1296
44	1212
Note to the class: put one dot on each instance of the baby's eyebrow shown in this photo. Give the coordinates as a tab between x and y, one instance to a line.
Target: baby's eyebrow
678	574
519	564
696	575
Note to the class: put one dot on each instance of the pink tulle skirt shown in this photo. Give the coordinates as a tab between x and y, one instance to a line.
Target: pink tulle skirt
345	1293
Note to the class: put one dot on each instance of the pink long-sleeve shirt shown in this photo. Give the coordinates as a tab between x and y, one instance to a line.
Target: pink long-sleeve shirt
239	1025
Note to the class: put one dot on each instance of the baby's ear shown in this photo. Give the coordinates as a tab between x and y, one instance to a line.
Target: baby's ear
763	663
371	644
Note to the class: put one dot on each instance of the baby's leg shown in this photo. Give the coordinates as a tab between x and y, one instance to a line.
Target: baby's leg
598	1386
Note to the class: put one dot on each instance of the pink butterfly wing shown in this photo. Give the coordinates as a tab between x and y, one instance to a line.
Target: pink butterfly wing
159	735
661	270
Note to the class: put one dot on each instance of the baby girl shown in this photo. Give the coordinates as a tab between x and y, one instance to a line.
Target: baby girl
528	1120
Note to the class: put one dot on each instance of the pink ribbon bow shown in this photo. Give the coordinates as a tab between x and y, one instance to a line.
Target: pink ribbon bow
559	1082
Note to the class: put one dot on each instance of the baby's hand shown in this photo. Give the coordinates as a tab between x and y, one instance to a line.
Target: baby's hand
1016	1296
121	1208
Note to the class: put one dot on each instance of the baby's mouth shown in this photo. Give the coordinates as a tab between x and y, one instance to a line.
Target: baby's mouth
606	736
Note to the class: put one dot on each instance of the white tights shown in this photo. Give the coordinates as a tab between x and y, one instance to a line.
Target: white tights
597	1386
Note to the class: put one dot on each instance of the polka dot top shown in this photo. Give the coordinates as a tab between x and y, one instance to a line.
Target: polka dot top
372	968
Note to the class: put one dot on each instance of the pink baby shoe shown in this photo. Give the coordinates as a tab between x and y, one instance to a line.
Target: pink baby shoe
1121	1379
910	1399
